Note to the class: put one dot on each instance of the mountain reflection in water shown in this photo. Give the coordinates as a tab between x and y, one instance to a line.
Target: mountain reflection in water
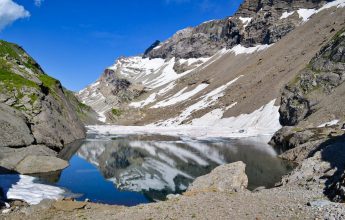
158	165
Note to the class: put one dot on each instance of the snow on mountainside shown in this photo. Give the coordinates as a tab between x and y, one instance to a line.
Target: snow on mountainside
222	79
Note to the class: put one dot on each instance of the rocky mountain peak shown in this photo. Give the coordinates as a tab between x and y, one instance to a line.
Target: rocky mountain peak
256	22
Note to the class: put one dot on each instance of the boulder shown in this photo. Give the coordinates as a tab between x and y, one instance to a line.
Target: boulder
10	157
40	164
225	178
14	129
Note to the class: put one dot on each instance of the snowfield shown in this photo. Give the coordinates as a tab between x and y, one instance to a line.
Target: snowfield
26	188
262	122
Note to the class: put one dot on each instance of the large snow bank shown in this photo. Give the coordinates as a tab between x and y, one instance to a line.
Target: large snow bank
27	189
264	121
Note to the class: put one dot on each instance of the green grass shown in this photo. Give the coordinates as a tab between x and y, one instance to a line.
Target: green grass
9	49
116	112
15	81
15	52
48	81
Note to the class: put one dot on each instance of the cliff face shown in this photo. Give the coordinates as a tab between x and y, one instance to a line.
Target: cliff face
40	112
256	22
312	110
319	81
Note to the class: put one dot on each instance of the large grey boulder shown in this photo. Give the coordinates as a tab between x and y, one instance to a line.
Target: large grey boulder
40	164
225	178
10	157
14	131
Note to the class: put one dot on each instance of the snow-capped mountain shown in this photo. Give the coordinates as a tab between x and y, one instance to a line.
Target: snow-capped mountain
218	71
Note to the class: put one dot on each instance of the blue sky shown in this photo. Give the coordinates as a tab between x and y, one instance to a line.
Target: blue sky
75	40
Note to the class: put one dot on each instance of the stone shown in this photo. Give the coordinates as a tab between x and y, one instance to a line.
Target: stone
10	158
40	164
14	129
319	203
173	196
225	178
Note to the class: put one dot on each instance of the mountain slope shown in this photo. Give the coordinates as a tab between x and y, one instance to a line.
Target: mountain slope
170	87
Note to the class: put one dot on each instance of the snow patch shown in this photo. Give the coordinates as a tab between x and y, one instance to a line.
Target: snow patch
327	124
305	14
180	96
245	21
206	101
286	15
26	188
149	100
239	49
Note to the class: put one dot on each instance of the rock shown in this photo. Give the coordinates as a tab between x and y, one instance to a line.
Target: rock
6	211
173	196
14	129
324	73
44	113
10	158
225	178
264	27
40	164
319	203
69	206
155	44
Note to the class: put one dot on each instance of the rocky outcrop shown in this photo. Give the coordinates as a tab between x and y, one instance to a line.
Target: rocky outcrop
325	72
37	117
14	128
225	178
313	97
256	22
338	190
46	114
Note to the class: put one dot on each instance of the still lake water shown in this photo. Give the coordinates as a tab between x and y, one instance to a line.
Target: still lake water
130	170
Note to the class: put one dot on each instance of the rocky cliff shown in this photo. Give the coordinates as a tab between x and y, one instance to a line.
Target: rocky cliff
312	109
35	110
256	22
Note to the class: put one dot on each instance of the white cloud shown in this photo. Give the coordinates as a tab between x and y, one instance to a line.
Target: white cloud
38	3
10	12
